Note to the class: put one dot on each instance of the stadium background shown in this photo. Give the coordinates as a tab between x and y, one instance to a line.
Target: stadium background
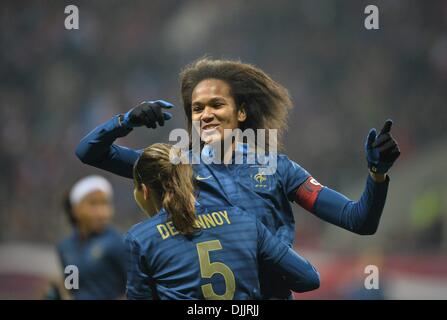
56	85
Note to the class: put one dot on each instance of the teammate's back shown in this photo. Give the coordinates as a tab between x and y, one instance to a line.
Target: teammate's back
188	252
220	261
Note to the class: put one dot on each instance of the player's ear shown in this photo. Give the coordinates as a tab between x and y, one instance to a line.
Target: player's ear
146	191
76	211
241	113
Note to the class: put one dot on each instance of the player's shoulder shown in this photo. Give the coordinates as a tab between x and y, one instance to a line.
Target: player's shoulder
112	239
238	212
285	159
112	233
231	224
67	242
146	229
286	165
231	210
281	159
238	215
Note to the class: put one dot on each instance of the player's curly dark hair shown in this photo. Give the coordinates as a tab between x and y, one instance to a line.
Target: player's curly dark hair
265	101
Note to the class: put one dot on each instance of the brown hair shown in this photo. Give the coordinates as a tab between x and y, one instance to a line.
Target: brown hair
172	184
265	101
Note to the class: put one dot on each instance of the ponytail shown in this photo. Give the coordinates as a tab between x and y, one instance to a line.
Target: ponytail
172	183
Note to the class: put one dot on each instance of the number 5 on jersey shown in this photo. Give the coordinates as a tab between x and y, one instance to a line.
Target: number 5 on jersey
208	269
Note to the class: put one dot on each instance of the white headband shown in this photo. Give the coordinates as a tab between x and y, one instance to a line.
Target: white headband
87	185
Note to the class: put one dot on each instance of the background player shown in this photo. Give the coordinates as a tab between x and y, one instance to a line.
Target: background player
94	247
187	251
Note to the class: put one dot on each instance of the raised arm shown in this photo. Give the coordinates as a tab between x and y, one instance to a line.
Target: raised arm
97	148
362	216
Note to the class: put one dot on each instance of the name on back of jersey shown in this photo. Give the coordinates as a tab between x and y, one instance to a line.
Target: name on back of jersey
204	221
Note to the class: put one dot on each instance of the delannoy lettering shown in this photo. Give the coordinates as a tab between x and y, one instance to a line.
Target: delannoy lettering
204	221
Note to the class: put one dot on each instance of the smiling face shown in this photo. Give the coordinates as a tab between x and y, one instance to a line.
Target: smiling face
215	108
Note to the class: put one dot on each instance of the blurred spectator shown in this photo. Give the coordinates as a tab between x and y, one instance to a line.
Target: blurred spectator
427	220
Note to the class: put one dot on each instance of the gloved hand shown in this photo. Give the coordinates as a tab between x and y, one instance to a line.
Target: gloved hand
147	113
381	150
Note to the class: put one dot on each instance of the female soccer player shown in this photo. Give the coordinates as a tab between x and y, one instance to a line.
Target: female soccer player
187	251
221	95
95	248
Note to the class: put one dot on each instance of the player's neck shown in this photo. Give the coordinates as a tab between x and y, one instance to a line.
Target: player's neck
85	233
227	150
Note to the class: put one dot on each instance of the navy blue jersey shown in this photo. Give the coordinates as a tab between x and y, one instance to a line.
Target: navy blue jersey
100	260
266	197
218	262
247	187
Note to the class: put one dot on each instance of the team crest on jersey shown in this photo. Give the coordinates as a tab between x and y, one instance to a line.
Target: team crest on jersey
96	252
260	179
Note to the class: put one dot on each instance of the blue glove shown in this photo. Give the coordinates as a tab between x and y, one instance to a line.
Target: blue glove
147	113
381	150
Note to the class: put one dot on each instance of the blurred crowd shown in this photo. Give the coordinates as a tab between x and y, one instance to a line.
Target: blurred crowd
58	84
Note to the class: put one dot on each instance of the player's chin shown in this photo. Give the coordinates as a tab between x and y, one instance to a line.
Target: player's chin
100	226
211	138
